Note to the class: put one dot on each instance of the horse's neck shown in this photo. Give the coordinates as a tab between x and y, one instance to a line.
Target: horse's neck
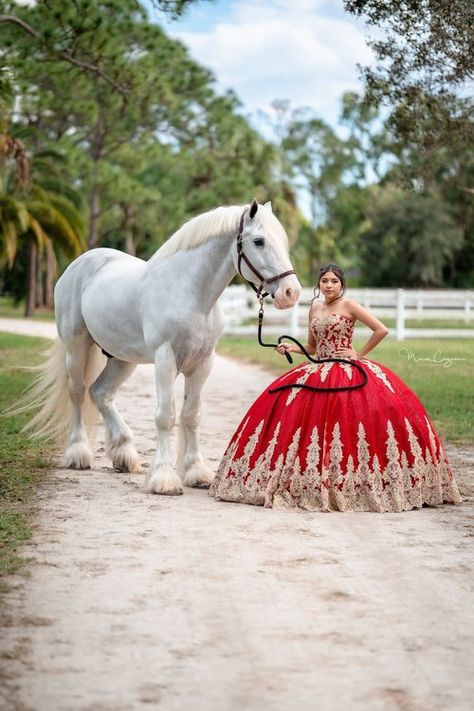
212	268
202	273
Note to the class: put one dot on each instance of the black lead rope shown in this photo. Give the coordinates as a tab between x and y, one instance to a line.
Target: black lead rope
352	363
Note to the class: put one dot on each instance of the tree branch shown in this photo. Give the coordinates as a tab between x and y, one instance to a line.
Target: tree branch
67	56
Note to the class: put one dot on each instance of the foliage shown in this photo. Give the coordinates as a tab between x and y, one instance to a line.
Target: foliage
44	218
424	53
394	241
151	143
426	43
139	141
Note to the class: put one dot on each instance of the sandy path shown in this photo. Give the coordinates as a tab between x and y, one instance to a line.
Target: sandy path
137	602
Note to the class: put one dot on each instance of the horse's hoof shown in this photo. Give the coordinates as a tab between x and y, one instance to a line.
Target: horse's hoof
78	456
169	485
125	458
199	476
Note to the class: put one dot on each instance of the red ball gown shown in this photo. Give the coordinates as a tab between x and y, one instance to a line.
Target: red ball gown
370	449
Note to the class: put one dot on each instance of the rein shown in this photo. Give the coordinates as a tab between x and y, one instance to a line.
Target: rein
261	294
313	360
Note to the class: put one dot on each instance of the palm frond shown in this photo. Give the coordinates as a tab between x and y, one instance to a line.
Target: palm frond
56	227
41	237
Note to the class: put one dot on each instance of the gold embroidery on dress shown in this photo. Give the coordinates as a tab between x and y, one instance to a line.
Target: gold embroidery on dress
325	370
312	482
332	332
349	371
300	381
312	458
376	370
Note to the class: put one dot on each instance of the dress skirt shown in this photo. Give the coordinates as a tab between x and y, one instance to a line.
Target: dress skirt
370	449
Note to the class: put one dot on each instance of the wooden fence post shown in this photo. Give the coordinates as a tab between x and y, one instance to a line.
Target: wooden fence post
294	320
400	327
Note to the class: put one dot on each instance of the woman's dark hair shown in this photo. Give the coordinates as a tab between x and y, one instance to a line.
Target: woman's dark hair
335	270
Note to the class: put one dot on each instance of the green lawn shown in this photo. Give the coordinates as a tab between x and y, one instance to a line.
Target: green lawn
446	392
8	309
23	462
431	323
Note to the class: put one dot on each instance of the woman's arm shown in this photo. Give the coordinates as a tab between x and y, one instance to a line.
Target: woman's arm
379	330
310	346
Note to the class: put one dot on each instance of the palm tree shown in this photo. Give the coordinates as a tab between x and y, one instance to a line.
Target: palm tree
42	216
44	213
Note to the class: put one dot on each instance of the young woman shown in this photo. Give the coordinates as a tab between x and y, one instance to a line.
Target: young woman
336	436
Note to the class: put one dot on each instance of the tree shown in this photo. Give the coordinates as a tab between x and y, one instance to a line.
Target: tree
60	45
424	62
146	159
408	240
423	43
45	220
319	159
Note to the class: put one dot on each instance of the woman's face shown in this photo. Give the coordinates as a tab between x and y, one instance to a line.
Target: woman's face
330	285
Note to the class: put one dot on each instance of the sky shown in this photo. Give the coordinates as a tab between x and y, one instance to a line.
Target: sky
304	51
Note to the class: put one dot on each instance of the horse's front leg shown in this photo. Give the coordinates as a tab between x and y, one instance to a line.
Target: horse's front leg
162	478
192	468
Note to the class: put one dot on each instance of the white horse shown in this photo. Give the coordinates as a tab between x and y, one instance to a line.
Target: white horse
165	312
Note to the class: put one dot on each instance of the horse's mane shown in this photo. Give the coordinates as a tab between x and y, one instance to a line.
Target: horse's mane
201	229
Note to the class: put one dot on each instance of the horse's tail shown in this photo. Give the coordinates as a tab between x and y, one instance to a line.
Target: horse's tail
49	394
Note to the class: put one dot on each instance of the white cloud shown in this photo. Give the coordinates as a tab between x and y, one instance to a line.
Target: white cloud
282	49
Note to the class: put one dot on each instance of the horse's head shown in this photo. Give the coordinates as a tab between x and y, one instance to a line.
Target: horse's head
261	255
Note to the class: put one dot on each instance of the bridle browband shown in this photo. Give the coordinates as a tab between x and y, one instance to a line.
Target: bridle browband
242	256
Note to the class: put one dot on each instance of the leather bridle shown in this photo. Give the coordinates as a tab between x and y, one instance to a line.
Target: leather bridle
242	256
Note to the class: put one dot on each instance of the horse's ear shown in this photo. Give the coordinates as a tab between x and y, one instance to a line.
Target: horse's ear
268	205
253	209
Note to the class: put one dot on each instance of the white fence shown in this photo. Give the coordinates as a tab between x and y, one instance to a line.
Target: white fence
240	307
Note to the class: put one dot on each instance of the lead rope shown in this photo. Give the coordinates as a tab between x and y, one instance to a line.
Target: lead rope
309	357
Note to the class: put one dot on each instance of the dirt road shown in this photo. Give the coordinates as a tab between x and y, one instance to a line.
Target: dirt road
142	602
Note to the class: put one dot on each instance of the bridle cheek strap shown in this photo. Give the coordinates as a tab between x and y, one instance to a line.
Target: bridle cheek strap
242	256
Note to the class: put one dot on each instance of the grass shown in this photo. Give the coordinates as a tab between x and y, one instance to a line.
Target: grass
23	462
8	309
446	392
430	323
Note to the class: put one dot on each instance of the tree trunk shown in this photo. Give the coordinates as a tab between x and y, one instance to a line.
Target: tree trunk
51	269
31	278
94	235
128	217
39	295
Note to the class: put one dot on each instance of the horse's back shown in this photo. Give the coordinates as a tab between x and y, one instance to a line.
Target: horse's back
88	265
94	278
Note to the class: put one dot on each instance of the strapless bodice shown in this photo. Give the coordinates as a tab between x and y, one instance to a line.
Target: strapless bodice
332	332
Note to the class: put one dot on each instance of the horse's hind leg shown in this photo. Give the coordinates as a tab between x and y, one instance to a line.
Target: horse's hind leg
78	453
119	436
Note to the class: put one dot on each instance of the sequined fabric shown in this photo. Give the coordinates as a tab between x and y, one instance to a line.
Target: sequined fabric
372	449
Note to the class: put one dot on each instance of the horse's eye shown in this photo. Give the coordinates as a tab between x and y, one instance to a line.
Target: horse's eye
259	242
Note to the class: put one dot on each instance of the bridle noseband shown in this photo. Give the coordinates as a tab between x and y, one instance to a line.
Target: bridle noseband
242	256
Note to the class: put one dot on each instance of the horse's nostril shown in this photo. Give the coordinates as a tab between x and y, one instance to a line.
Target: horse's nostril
289	293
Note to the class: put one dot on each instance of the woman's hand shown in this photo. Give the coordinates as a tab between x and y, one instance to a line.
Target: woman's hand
283	348
348	353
